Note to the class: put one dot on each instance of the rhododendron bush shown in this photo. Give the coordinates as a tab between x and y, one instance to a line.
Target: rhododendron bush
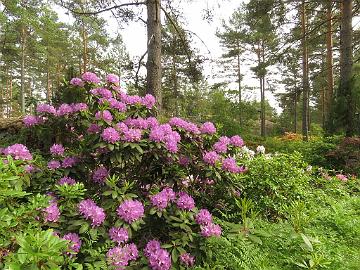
125	190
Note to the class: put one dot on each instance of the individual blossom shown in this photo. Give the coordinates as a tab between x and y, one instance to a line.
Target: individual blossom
110	135
54	164
121	127
171	145
91	211
77	82
32	120
121	256
208	128
57	150
79	107
151	247
90	77
75	242
161	199
66	180
220	147
184	160
130	211
237	141
131	100
18	152
148	101
185	201
104	115
211	157
230	165
69	162
100	175
64	109
139	123
52	213
29	168
112	78
45	108
187	260
132	135
119	235
93	129
203	217
210	229
152	122
103	92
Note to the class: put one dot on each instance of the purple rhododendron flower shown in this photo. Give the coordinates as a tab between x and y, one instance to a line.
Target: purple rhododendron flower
45	108
203	217
119	235
112	78
57	150
28	168
208	128
90	210
210	229
90	77
139	123
75	242
32	120
52	213
230	165
54	164
100	175
130	210
152	122
342	177
77	82
184	160
18	152
159	259
148	101
187	260
110	135
161	199
103	92
220	147
187	126
93	129
79	107
237	141
64	109
185	201
104	115
120	256
132	135
151	247
211	157
69	162
66	180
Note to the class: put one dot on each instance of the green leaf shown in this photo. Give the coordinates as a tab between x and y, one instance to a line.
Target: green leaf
307	242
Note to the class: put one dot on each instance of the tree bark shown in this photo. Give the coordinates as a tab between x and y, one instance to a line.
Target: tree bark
295	110
328	95
239	84
22	72
85	51
48	84
305	79
346	62
153	65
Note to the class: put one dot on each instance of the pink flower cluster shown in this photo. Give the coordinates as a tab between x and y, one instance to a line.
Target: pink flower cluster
119	235
104	115
77	82
130	211
203	217
46	108
69	162
18	152
100	175
237	141
342	177
211	157
112	78
185	201
66	180
57	150
164	133
52	213
148	101
90	210
110	135
75	242
210	229
90	77
230	165
159	259
208	128
121	256
187	260
221	145
161	199
102	92
32	120
187	126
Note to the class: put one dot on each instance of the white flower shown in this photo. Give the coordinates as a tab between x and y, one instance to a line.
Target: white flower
260	149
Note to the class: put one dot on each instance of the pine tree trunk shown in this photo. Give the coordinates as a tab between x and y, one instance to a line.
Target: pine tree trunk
295	112
22	72
153	65
346	61
305	82
85	53
239	84
328	95
175	84
48	85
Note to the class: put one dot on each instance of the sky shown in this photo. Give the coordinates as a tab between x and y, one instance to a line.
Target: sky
134	37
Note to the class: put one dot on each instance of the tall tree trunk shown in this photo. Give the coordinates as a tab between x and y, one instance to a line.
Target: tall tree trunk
295	111
175	84
85	50
328	95
48	84
153	65
305	79
22	72
263	126
344	95
239	84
